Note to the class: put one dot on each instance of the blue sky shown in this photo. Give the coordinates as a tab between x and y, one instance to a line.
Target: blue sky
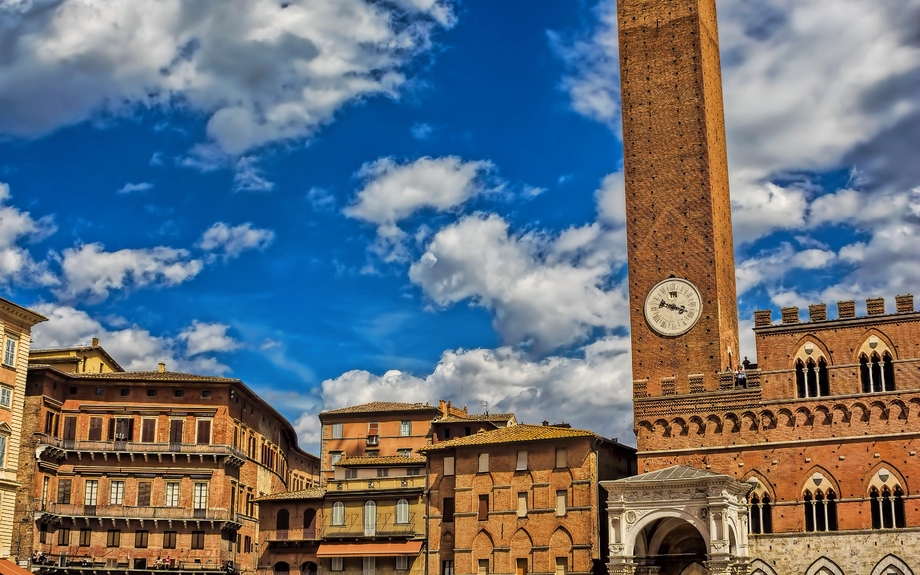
339	200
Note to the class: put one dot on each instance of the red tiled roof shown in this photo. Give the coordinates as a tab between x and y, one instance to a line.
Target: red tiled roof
513	434
381	406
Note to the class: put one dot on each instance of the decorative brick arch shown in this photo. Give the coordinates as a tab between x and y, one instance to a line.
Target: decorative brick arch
820	351
884	344
881	568
893	469
824	566
760	567
806	479
768	487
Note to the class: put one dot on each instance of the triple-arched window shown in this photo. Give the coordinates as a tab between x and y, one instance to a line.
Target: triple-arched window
876	372
886	497
761	512
811	378
819	502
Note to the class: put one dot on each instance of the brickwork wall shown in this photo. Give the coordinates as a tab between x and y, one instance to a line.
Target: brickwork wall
677	201
503	538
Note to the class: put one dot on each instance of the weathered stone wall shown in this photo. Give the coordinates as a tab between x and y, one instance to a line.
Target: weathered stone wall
853	553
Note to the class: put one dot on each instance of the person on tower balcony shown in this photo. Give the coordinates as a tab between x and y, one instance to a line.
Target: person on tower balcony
746	364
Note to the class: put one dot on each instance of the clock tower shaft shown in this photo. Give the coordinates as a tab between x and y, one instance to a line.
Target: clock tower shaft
677	197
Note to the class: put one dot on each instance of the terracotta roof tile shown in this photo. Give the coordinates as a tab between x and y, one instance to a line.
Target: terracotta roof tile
513	434
381	406
381	460
152	376
312	493
490	417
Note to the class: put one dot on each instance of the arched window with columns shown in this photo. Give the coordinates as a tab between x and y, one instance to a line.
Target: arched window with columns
761	509
886	497
819	502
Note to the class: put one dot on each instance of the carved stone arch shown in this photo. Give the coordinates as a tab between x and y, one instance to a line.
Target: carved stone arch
818	350
734	424
768	420
697	425
823	415
716	422
750	421
891	561
899	409
761	567
786	417
665	427
882	345
841	413
807	482
861	412
680	425
667	513
824	566
880	408
804	417
896	476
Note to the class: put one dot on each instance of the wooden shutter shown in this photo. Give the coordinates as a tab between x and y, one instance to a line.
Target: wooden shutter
112	429
70	428
483	507
204	431
95	428
175	431
148	430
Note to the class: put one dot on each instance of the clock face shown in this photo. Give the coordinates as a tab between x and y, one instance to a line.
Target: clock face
673	307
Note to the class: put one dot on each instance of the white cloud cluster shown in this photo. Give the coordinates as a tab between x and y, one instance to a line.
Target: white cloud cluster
591	389
263	71
133	347
232	241
547	291
16	263
394	191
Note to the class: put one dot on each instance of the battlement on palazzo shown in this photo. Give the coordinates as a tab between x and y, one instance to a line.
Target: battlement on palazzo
845	310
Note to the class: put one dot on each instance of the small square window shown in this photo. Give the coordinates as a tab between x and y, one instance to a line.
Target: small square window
151	393
404	452
351	473
124	392
402	563
98	391
169	540
205	393
73	390
178	392
383	472
337	564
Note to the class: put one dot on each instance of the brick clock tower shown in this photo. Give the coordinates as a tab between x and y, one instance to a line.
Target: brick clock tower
683	309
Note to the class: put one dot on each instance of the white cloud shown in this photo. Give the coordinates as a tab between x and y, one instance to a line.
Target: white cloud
16	263
421	131
89	270
549	291
773	265
141	187
262	71
248	177
591	390
232	241
394	191
202	337
321	199
133	347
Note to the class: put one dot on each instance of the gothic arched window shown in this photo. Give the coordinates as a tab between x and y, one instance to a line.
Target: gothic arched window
888	371
824	386
887	501
800	379
811	379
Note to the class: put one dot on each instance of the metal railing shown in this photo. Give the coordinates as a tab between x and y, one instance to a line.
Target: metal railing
92	563
139	447
309	534
133	512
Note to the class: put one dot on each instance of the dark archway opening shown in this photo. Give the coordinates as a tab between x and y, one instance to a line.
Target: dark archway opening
672	545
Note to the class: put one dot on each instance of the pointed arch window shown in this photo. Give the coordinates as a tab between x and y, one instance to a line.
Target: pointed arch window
820	510
800	379
761	514
824	386
811	379
887	501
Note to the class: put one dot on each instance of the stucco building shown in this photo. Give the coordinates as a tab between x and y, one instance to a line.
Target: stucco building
521	499
290	529
120	469
16	324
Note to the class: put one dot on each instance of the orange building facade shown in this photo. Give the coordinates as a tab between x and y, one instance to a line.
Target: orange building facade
137	470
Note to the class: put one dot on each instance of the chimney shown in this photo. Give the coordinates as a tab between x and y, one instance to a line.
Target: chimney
95	342
161	367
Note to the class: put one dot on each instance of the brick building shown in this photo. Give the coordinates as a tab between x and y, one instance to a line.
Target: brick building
15	339
521	499
802	464
290	528
118	468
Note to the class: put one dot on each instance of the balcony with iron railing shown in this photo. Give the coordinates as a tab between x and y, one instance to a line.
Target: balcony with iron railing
118	446
129	512
353	526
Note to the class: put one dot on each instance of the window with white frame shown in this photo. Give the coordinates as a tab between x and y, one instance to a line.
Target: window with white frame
172	494
6	396
402	563
405	428
200	500
90	492
334	457
483	463
9	352
370	519
370	566
336	431
4	440
116	492
337	564
521	461
402	511
338	514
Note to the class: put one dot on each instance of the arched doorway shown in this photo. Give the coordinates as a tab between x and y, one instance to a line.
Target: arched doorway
673	545
281	568
308	568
